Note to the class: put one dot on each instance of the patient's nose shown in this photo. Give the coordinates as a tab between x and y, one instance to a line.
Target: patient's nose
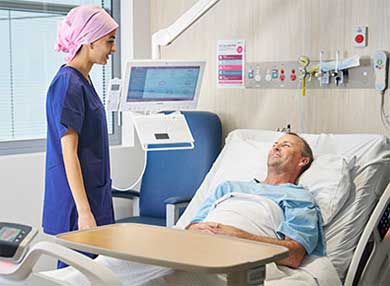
276	147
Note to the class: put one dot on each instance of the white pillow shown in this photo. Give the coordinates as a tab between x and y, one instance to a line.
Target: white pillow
328	178
329	181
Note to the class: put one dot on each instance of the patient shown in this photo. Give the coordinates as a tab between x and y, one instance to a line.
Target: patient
275	210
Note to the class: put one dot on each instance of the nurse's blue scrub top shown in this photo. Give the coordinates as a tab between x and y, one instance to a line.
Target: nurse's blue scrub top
72	102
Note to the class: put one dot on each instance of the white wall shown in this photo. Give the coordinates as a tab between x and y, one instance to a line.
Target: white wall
135	44
22	176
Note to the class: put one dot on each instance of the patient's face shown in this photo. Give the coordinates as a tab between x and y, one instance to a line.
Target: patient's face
286	153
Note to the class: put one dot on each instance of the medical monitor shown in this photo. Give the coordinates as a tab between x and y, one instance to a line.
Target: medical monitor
155	85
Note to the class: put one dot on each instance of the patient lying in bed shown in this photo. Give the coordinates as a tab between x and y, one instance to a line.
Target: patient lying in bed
274	211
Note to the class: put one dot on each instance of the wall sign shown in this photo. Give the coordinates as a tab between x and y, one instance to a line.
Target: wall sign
230	63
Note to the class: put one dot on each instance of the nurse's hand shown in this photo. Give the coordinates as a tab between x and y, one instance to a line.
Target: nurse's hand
86	220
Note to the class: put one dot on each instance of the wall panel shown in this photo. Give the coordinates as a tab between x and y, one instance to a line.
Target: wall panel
277	30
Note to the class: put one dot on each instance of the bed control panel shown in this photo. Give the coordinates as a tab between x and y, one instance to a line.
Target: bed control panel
384	223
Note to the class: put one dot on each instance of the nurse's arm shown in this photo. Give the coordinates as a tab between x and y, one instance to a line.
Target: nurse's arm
69	144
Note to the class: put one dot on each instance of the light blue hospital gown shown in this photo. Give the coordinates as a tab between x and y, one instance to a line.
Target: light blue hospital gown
302	217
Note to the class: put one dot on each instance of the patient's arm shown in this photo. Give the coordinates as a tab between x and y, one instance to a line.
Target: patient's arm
296	251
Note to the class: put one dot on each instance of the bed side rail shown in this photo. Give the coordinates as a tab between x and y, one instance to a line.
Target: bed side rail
373	268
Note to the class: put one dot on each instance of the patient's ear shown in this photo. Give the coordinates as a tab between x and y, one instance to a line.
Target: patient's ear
304	161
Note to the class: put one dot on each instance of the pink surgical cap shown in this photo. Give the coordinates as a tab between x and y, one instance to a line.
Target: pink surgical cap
83	25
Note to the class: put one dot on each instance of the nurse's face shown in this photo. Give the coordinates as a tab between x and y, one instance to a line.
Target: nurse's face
102	48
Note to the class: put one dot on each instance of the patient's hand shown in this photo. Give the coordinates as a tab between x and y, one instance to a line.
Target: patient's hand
208	227
232	231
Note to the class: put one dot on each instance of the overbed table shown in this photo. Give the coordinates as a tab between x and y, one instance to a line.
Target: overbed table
242	260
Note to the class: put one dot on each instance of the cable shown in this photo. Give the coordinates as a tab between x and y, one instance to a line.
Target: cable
137	181
385	118
301	110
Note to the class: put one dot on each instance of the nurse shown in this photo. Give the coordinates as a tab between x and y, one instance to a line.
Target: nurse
77	181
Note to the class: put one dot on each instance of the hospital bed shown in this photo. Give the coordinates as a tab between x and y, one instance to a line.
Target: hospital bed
349	180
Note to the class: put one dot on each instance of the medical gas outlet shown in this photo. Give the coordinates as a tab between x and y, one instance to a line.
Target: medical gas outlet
302	74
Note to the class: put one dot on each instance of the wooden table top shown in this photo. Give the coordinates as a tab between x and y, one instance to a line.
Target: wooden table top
174	248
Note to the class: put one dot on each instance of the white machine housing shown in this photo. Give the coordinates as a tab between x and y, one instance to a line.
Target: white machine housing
164	130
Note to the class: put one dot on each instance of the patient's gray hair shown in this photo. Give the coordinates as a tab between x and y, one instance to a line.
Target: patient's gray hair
305	151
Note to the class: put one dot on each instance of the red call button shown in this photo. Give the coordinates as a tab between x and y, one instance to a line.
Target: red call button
359	39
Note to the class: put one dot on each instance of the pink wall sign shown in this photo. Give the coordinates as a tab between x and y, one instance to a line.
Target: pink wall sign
230	63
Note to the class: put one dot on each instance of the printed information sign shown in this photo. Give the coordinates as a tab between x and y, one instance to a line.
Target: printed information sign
230	63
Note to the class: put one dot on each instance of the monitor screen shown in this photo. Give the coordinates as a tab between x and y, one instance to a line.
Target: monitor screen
161	85
9	233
